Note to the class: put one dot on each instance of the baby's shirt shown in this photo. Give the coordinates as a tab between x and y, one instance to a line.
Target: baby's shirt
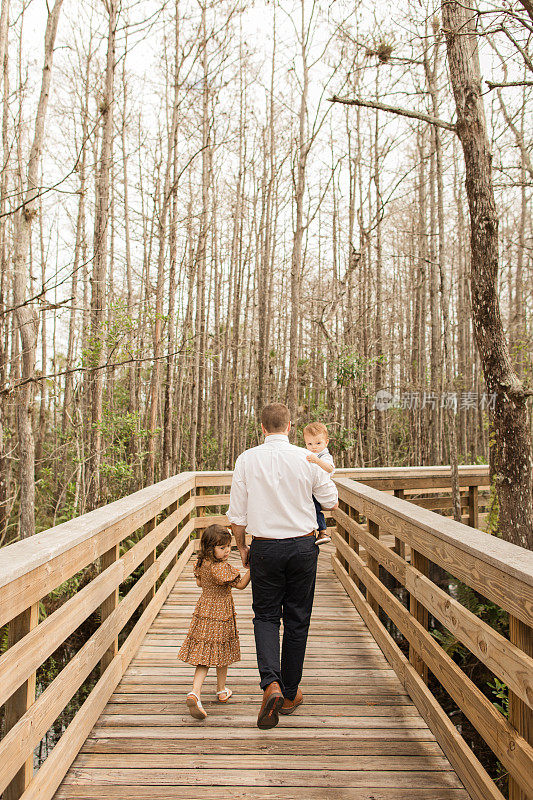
326	456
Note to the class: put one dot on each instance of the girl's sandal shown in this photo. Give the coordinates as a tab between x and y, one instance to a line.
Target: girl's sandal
194	704
225	691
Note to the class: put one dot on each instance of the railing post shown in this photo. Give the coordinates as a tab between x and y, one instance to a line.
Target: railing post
173	507
354	514
420	613
200	510
342	532
186	497
21	700
473	506
189	515
373	564
109	605
149	560
520	714
399	546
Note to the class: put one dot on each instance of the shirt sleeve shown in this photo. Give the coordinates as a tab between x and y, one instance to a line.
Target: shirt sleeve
238	499
328	458
224	573
324	489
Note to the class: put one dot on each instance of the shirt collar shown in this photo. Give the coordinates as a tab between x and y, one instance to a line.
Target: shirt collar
276	437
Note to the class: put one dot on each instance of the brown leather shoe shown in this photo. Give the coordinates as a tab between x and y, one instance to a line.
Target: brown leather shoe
268	716
291	705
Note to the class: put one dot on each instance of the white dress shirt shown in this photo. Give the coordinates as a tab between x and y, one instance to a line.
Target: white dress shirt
272	489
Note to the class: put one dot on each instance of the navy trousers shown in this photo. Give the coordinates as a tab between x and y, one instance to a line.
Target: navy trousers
283	573
320	518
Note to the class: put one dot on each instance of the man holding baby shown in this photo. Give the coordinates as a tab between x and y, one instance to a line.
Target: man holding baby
272	499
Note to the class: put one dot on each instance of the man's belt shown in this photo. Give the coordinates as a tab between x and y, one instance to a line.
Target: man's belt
273	538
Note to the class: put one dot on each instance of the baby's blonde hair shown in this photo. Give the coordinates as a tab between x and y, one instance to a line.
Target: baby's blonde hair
316	428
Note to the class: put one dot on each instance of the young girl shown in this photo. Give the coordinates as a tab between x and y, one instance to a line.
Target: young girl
213	640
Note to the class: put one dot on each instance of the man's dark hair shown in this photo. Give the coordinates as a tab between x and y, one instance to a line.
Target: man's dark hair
275	418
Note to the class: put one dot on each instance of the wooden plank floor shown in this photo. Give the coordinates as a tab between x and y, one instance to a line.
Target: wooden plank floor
357	737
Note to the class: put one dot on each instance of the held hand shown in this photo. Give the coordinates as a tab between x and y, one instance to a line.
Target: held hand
245	555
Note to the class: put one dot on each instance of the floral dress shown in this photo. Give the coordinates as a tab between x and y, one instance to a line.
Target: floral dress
213	639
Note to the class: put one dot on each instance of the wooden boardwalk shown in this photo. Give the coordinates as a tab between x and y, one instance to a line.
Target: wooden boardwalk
358	736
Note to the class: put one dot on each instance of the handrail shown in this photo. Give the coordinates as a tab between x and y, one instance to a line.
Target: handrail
22	557
463	541
500	571
149	534
387	478
156	528
408	482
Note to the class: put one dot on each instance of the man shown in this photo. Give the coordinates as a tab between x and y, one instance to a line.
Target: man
272	498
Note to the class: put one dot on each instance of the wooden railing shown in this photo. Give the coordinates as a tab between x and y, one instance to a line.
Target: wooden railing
501	572
150	536
154	527
429	487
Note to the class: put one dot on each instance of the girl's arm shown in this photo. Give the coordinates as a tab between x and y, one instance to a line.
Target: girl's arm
244	580
314	459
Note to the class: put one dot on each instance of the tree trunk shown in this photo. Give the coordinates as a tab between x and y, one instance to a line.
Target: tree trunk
132	384
98	298
302	152
172	190
512	444
381	449
44	399
266	232
449	413
78	247
201	254
168	193
4	266
24	314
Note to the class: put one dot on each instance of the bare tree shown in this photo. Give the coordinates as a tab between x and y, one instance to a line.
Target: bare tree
101	227
24	313
4	28
199	330
512	443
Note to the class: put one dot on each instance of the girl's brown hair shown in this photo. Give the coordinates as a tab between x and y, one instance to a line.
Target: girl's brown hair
213	536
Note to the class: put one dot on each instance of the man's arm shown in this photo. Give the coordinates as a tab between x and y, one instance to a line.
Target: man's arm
239	531
238	510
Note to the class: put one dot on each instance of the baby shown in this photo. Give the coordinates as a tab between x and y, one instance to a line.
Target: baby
316	440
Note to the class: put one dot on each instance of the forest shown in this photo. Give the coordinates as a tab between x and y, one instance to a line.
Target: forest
207	206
